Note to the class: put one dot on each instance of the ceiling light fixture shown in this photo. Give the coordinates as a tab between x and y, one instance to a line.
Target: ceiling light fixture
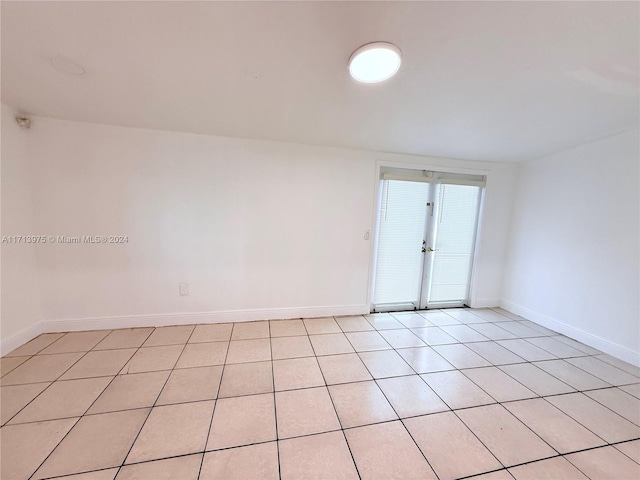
375	62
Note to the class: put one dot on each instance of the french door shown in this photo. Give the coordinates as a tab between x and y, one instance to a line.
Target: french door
425	244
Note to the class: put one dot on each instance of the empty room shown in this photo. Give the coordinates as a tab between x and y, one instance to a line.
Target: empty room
320	240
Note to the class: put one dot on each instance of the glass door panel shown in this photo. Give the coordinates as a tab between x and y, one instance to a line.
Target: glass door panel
401	233
452	243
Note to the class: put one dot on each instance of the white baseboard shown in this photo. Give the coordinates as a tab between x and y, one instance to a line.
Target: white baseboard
484	302
18	339
161	320
606	346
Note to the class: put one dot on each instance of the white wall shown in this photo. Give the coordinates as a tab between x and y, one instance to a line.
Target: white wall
573	261
258	229
20	282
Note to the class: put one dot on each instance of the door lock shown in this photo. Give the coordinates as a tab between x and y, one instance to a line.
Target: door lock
424	248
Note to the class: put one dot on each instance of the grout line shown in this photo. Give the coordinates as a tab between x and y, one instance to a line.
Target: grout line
335	410
124	459
82	416
396	350
217	399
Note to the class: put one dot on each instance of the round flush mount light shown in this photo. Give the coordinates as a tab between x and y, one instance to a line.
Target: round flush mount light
375	62
68	67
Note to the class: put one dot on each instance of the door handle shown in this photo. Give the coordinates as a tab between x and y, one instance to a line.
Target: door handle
429	249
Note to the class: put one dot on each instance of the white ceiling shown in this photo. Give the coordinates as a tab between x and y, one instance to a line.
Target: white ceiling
503	81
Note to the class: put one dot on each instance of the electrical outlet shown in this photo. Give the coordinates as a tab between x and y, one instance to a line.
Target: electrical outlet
367	234
183	288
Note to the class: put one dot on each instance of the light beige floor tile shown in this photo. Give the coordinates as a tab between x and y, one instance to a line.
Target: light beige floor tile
185	424
250	330
361	403
604	371
242	421
605	464
385	363
14	397
494	353
520	330
559	349
504	435
599	419
457	390
498	384
492	331
244	351
490	315
411	396
452	450
343	369
96	442
463	333
191	385
63	399
460	356
246	379
465	315
153	359
571	375
539	328
203	355
402	338
317	457
297	373
287	328
305	412
354	323
367	341
108	474
173	335
526	350
36	345
424	360
440	318
620	402
412	320
556	468
627	367
632	389
434	336
498	475
330	344
383	321
506	313
76	342
11	363
291	347
317	326
124	338
553	426
182	468
536	379
242	463
41	368
630	449
215	332
135	390
24	447
580	346
99	364
387	451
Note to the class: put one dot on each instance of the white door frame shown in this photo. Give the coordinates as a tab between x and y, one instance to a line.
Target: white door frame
473	282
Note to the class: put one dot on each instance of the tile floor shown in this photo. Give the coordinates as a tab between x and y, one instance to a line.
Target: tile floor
437	394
